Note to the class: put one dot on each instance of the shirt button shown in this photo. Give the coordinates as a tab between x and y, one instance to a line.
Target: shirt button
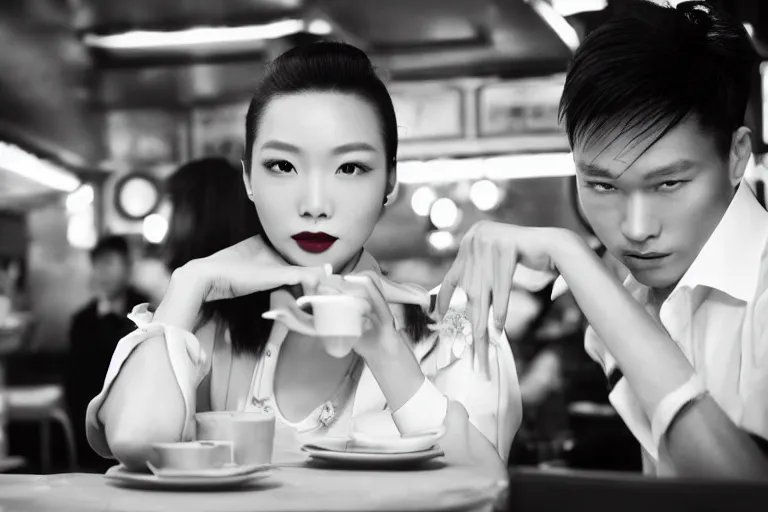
269	353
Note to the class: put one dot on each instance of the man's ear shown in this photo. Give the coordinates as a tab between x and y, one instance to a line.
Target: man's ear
738	157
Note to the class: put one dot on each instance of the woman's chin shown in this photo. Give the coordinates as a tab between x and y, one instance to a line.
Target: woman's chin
341	263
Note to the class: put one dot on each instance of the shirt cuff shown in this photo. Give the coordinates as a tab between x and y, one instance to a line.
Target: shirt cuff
424	412
671	405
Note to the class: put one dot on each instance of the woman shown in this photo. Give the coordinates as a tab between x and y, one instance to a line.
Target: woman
321	145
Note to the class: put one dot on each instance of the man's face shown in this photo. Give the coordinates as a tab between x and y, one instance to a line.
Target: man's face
111	274
655	207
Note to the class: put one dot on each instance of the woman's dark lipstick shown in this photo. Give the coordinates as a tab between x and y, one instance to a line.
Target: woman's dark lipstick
314	242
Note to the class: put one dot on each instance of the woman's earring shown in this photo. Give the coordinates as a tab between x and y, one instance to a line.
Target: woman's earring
386	198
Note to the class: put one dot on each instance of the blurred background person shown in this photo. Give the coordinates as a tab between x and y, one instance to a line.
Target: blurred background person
94	333
209	211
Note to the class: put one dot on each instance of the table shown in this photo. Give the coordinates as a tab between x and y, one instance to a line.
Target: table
555	490
295	488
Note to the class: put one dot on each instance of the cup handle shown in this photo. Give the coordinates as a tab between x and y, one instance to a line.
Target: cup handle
304	300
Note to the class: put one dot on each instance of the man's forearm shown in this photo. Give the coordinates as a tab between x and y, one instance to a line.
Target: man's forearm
651	361
702	441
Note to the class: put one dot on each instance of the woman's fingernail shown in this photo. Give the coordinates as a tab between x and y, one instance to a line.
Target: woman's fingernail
328	268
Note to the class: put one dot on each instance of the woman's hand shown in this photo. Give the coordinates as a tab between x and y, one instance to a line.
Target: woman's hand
249	267
484	268
244	268
380	334
386	350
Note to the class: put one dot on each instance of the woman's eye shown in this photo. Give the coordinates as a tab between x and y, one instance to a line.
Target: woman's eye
352	169
279	166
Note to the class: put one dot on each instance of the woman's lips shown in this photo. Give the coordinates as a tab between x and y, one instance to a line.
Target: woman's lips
314	242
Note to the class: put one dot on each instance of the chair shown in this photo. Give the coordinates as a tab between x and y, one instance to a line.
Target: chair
44	404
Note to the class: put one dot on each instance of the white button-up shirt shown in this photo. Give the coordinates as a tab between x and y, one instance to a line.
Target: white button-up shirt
718	316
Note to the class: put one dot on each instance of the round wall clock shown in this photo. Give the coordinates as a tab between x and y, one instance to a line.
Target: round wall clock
137	195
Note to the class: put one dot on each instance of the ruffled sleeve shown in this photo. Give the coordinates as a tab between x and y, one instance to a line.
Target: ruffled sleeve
494	405
188	360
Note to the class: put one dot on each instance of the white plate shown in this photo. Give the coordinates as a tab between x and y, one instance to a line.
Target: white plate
361	443
150	481
372	459
229	470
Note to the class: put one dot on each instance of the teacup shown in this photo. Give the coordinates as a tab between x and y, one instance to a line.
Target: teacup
193	455
252	434
338	320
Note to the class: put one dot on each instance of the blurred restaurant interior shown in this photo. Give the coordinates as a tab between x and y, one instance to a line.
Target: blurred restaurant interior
102	100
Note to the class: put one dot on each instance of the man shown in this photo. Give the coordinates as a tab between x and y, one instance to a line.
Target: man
94	333
653	105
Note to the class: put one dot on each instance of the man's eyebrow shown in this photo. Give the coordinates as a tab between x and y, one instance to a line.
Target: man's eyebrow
670	170
590	170
595	171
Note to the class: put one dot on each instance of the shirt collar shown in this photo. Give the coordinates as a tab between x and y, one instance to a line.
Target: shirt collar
731	258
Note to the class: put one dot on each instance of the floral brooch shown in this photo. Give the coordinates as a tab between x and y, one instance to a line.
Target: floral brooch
455	330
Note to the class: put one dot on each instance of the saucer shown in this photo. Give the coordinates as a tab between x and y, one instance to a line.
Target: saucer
119	474
372	459
224	471
361	443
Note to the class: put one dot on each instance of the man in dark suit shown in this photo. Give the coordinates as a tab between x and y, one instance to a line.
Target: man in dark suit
94	333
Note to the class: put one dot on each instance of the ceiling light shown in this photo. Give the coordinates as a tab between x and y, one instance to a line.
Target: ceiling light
81	230
16	160
571	7
444	213
203	36
441	240
155	228
485	195
80	199
421	201
556	22
539	165
320	27
545	165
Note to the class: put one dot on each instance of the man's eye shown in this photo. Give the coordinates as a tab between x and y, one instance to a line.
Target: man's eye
601	187
671	185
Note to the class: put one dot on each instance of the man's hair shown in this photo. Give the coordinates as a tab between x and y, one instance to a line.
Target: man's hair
654	66
112	244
